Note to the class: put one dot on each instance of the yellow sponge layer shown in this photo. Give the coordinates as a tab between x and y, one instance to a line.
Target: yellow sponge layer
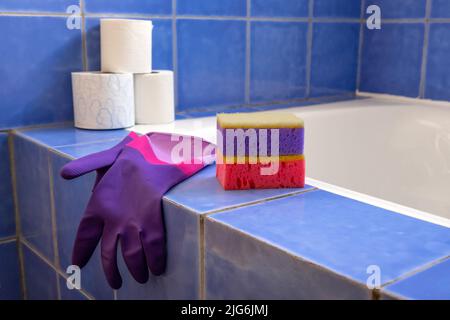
257	159
259	120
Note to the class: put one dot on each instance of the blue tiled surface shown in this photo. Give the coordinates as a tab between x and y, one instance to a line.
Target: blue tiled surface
430	284
65	135
69	294
68	216
337	8
400	8
161	44
438	69
391	59
35	6
33	192
334	58
212	7
9	272
129	6
440	9
40	278
202	193
35	73
181	279
7	219
341	234
81	150
276	8
278	68
214	75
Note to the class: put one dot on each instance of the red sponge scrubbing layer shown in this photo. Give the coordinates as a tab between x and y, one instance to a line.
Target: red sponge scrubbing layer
290	174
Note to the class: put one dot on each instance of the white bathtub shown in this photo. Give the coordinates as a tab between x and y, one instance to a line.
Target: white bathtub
394	153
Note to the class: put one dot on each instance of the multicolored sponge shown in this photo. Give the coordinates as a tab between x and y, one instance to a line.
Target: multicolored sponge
260	150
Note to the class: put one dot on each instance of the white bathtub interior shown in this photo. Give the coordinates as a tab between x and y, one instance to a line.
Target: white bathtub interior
391	152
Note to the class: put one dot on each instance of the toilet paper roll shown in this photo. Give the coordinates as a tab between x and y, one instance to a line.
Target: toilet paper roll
103	100
154	97
126	45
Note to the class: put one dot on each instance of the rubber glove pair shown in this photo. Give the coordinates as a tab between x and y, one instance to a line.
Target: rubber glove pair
125	204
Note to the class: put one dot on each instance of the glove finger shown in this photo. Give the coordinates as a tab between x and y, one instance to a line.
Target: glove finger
155	251
134	256
95	161
109	259
88	235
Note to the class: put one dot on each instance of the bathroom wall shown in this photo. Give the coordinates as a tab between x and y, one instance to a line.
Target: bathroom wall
409	55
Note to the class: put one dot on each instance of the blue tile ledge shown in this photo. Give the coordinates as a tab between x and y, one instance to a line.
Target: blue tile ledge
295	223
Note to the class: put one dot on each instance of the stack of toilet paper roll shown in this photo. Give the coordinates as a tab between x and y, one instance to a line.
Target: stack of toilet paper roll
126	91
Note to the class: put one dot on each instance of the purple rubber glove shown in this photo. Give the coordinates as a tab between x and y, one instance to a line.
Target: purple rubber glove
126	204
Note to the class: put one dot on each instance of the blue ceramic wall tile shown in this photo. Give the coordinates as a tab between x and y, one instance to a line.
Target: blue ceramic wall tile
400	9
71	198
40	278
212	7
391	59
276	8
66	135
342	235
337	8
211	68
36	76
9	272
438	69
202	193
69	294
440	9
278	61
212	113
161	44
241	267
181	278
35	6
33	193
129	6
430	284
7	218
334	58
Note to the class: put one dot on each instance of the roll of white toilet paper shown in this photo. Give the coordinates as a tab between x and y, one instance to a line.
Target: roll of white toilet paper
154	97
103	100
126	45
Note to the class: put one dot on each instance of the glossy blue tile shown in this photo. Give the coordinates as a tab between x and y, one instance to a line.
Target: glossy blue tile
181	278
400	9
342	235
440	9
334	58
40	278
391	59
337	8
276	8
66	135
69	294
437	84
81	150
7	218
9	272
278	61
212	113
161	44
35	6
430	284
129	6
212	7
71	198
211	69
36	78
202	193
33	193
241	267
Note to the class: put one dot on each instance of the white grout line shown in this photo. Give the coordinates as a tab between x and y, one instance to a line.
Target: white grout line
361	44
309	44
248	50
6	240
83	38
423	69
175	53
384	204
